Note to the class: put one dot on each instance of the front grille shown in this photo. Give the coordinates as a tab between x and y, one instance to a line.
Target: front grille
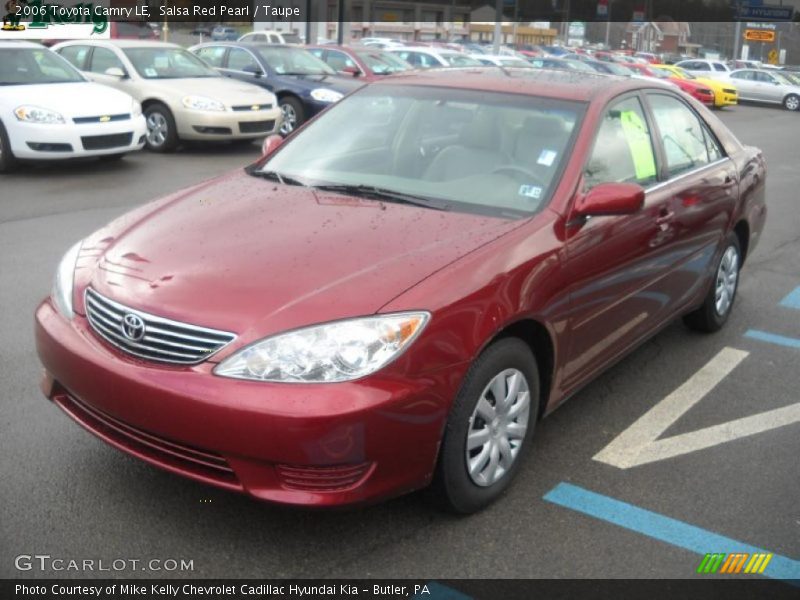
728	91
102	119
323	479
251	107
152	338
104	142
256	126
192	462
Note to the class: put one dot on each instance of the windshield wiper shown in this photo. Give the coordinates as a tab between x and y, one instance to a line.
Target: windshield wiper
279	177
377	193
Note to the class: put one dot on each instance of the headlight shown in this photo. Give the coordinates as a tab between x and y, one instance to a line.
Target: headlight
35	114
202	103
326	95
339	351
64	280
136	109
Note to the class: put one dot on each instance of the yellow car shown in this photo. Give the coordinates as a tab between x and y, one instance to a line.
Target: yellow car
725	93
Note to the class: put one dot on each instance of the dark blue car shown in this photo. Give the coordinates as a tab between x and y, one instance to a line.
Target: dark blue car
303	83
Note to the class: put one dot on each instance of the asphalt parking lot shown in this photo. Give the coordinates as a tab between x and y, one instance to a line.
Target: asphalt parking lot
68	495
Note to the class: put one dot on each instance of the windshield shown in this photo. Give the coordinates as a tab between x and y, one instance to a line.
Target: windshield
293	61
383	63
468	150
167	63
460	60
30	66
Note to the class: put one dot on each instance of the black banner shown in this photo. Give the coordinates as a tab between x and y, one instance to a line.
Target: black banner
399	11
421	589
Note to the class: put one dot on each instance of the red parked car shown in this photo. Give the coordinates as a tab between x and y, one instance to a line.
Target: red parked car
697	90
372	308
694	88
365	62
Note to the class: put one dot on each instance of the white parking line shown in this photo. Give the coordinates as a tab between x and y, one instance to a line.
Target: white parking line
639	443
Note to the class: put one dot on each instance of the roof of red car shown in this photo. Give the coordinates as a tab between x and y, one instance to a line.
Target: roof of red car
548	83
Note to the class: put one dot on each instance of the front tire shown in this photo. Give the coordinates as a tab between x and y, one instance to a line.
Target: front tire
791	102
717	306
162	133
7	159
293	113
489	427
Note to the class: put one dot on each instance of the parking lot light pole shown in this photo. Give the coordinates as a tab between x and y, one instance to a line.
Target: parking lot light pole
498	26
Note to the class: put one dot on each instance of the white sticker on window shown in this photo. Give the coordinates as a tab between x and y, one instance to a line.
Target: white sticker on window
547	157
150	72
530	191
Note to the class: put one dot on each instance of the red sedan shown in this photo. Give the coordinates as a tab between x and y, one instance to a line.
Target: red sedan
371	309
364	62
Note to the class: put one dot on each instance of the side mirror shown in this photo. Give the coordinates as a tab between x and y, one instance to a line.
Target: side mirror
610	199
116	72
253	70
354	71
271	143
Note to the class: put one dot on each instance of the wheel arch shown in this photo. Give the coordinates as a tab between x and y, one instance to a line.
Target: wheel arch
539	339
742	231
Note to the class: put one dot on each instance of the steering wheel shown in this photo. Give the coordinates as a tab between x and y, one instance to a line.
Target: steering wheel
520	171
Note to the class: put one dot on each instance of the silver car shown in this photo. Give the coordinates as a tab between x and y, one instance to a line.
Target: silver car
761	86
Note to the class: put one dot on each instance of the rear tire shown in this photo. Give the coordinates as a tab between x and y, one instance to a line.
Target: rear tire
791	102
162	133
717	306
7	159
486	437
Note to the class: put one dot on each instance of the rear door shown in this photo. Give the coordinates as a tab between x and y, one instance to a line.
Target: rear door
703	184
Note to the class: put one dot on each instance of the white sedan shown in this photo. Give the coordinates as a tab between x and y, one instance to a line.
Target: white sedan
49	111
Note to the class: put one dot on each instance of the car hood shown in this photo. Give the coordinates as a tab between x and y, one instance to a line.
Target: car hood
254	257
228	91
345	85
79	99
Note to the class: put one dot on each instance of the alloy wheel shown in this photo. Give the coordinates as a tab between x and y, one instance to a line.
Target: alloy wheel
792	102
497	427
289	119
157	129
727	275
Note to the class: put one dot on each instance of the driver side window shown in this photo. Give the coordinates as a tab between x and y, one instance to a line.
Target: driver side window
623	149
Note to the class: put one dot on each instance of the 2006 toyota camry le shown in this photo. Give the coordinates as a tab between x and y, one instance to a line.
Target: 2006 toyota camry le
397	293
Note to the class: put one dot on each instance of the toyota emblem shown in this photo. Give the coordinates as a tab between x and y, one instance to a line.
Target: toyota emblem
133	327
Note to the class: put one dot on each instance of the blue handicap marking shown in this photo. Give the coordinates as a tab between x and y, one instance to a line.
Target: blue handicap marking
666	529
773	338
792	300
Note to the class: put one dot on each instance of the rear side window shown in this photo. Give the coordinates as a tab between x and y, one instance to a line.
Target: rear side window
104	59
212	55
339	60
623	149
745	75
76	55
241	60
688	144
720	67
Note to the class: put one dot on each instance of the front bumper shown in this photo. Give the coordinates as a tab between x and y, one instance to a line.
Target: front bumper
228	124
725	99
33	141
314	445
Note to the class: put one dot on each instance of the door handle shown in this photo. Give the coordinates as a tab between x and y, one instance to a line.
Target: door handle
665	216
